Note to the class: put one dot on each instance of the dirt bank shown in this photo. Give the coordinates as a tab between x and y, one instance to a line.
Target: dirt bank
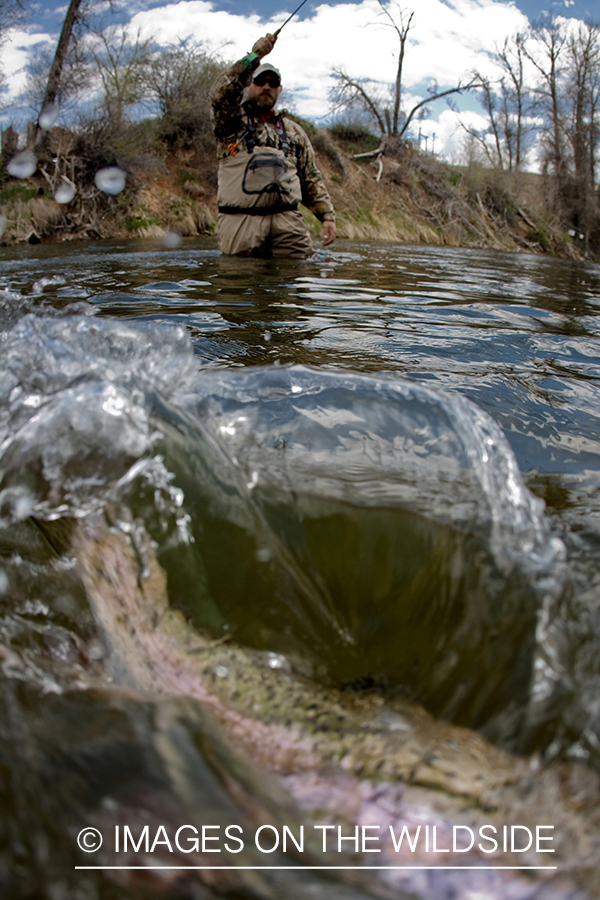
401	195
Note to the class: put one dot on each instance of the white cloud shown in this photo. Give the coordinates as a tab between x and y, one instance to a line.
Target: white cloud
447	41
15	54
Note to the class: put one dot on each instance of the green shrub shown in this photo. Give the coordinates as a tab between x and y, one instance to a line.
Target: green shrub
19	192
354	138
539	236
141	222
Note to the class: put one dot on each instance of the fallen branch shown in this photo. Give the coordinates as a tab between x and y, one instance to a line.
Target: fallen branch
526	219
380	149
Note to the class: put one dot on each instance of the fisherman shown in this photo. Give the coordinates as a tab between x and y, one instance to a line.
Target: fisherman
266	165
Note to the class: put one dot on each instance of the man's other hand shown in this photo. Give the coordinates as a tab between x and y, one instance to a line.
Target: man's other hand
329	232
264	45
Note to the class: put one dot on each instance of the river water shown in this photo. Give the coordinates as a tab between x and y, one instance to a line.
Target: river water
324	456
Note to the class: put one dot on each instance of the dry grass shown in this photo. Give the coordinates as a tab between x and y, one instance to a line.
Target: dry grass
30	220
417	200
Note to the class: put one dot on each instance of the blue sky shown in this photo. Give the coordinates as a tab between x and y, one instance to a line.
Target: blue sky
448	40
46	11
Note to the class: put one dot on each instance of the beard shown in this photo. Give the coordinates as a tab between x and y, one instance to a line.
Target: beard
265	101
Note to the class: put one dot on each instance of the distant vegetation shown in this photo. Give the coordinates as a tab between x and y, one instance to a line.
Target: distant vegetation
150	116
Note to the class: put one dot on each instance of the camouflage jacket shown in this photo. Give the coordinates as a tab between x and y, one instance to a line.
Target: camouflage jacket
231	122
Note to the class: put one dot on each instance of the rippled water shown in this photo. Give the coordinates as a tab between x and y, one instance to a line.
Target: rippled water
319	512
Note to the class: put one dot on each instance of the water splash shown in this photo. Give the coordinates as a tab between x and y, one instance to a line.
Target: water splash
110	180
396	442
41	284
381	530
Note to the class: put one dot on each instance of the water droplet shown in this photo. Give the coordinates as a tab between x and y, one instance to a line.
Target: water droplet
172	240
48	116
96	649
221	671
111	180
23	507
65	191
278	661
22	165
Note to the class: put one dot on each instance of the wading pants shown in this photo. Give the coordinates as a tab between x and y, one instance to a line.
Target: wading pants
283	234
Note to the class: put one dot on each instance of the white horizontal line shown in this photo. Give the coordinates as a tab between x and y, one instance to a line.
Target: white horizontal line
374	868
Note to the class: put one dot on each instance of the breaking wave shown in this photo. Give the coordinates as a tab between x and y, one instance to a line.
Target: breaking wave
374	532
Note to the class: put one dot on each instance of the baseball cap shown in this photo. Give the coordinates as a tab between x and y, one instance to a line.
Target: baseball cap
266	67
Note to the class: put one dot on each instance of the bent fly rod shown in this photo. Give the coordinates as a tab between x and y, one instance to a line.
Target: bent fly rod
291	16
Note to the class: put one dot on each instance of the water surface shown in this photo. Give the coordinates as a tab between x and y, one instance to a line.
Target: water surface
393	511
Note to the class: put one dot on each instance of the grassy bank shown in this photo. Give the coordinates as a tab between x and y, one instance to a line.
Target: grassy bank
404	195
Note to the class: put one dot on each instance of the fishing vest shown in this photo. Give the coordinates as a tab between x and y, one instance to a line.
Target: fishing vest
258	180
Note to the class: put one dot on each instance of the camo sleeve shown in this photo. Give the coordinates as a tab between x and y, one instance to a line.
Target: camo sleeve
315	195
226	96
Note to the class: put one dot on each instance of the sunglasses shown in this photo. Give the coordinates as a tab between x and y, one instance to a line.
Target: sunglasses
272	80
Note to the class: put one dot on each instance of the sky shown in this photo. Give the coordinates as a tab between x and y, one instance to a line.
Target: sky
449	38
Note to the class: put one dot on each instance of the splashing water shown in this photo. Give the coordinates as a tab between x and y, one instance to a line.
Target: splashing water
381	530
367	532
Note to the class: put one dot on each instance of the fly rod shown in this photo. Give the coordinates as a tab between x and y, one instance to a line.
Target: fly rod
291	16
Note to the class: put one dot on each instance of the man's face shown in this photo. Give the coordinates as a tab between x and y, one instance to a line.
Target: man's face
265	91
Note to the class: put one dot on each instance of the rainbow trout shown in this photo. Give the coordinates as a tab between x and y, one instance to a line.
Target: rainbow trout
408	806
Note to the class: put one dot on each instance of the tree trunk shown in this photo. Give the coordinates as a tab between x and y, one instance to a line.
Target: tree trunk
398	85
61	52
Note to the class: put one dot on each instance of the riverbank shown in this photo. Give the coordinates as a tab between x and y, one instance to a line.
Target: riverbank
402	195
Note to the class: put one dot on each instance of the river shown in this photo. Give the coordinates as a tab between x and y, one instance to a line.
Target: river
338	463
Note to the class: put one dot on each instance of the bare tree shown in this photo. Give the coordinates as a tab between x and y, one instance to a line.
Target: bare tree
75	77
515	99
179	79
355	93
68	73
506	102
583	91
582	104
56	68
546	51
122	62
352	93
12	13
491	102
401	25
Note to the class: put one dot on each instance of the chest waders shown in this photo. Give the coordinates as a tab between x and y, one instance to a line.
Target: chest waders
260	181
